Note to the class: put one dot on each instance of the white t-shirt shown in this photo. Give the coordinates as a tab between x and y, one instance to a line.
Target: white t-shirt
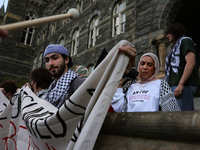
141	97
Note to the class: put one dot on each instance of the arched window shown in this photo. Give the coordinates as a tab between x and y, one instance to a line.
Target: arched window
43	35
35	63
53	28
39	64
79	5
94	31
38	39
75	42
27	34
62	41
119	18
64	21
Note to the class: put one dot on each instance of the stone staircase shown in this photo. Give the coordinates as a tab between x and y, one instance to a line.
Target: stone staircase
197	103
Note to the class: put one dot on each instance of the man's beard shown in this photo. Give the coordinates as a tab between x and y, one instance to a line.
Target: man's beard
59	72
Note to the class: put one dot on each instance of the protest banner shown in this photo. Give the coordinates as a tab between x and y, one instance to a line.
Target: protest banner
30	123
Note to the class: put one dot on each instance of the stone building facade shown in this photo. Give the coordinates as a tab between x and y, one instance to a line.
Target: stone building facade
102	24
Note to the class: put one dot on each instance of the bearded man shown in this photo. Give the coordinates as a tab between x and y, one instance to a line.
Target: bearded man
58	62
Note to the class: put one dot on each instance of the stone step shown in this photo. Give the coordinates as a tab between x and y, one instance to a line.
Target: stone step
196	103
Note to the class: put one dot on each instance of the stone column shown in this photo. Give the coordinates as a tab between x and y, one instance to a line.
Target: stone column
161	44
162	53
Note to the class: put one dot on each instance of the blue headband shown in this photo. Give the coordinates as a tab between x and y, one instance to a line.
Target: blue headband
54	48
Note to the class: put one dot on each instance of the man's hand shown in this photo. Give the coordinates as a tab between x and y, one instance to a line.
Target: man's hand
178	90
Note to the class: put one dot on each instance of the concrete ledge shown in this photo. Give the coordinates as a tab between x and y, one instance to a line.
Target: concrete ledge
168	129
111	142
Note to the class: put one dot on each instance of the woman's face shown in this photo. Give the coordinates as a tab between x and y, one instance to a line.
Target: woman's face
146	68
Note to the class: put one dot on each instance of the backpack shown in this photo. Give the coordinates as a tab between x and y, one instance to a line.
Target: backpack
74	85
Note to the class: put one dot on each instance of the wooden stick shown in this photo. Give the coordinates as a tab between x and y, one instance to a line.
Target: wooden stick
72	14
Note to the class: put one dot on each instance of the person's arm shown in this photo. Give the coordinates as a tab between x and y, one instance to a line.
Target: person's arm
190	63
118	100
3	33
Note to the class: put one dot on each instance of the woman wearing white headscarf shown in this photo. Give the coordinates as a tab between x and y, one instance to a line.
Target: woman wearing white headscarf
149	93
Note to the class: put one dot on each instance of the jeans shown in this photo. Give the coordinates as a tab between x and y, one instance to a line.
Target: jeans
185	102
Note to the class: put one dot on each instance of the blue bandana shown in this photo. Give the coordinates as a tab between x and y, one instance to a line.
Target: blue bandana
54	48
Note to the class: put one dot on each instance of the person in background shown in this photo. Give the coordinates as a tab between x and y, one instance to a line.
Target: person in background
8	88
181	69
148	93
40	79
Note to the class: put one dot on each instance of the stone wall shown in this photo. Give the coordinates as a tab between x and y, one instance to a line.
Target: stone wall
146	21
140	29
16	58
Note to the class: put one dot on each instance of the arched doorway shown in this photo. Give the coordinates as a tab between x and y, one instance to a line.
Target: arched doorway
188	16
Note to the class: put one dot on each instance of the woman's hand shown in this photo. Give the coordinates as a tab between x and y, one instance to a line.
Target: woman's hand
129	51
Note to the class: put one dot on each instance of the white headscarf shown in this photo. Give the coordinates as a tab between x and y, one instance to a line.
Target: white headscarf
156	65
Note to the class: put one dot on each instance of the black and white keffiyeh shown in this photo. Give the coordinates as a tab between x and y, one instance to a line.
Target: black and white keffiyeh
173	58
125	89
167	100
58	91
